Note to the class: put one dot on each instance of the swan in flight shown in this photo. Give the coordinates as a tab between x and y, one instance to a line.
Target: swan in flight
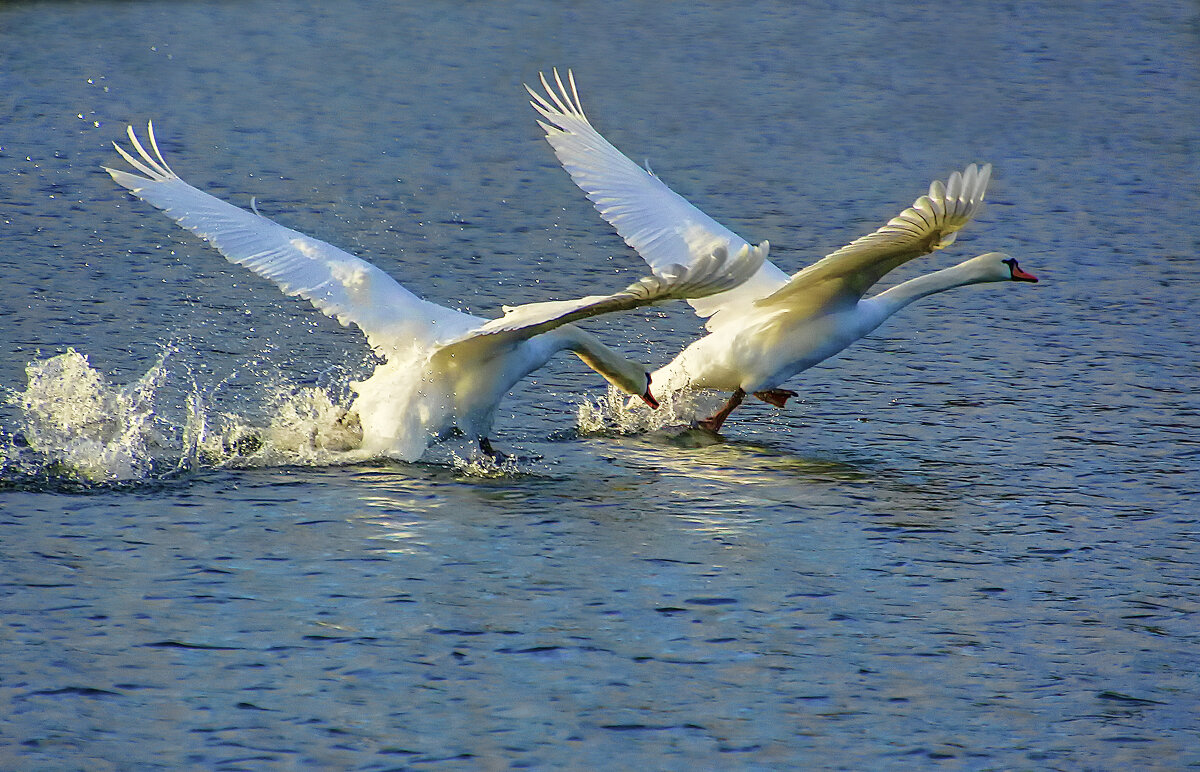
443	369
772	326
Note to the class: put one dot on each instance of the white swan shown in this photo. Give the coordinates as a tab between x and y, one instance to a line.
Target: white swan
772	326
443	369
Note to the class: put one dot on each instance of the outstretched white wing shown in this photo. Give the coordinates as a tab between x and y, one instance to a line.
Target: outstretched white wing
341	285
706	276
931	223
653	219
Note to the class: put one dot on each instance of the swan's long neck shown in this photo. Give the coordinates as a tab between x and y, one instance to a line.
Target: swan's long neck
896	298
616	369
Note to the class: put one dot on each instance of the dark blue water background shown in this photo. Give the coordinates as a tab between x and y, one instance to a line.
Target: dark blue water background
970	544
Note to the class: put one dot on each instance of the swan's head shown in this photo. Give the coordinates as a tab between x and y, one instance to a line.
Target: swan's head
997	266
636	384
628	376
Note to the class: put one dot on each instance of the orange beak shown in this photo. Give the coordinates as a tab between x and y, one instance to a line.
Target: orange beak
649	399
1019	275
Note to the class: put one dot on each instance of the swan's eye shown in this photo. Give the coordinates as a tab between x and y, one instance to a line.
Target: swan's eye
1010	262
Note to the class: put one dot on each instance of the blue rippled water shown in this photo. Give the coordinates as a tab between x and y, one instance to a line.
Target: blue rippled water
970	544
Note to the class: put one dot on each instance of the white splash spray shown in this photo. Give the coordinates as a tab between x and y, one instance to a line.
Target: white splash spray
83	427
77	423
615	413
75	417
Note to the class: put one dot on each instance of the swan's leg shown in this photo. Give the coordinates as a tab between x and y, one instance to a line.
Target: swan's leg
713	423
776	397
486	446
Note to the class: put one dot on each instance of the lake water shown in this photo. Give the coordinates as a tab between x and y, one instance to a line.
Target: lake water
970	544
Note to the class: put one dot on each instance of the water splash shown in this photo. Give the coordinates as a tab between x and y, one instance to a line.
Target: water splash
78	427
616	414
75	418
487	467
311	422
304	426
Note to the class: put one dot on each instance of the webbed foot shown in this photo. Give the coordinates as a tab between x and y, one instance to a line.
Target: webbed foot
486	446
713	422
776	397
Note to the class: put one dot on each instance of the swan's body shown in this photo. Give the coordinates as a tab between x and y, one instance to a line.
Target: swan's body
443	369
773	326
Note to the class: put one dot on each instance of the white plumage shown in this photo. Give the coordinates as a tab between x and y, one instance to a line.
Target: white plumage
443	368
772	326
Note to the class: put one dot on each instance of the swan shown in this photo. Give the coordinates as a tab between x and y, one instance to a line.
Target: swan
772	326
443	369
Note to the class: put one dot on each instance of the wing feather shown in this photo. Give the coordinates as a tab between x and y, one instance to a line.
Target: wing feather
341	285
931	223
707	276
661	225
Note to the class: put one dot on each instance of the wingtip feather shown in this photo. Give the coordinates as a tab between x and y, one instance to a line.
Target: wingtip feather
154	167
